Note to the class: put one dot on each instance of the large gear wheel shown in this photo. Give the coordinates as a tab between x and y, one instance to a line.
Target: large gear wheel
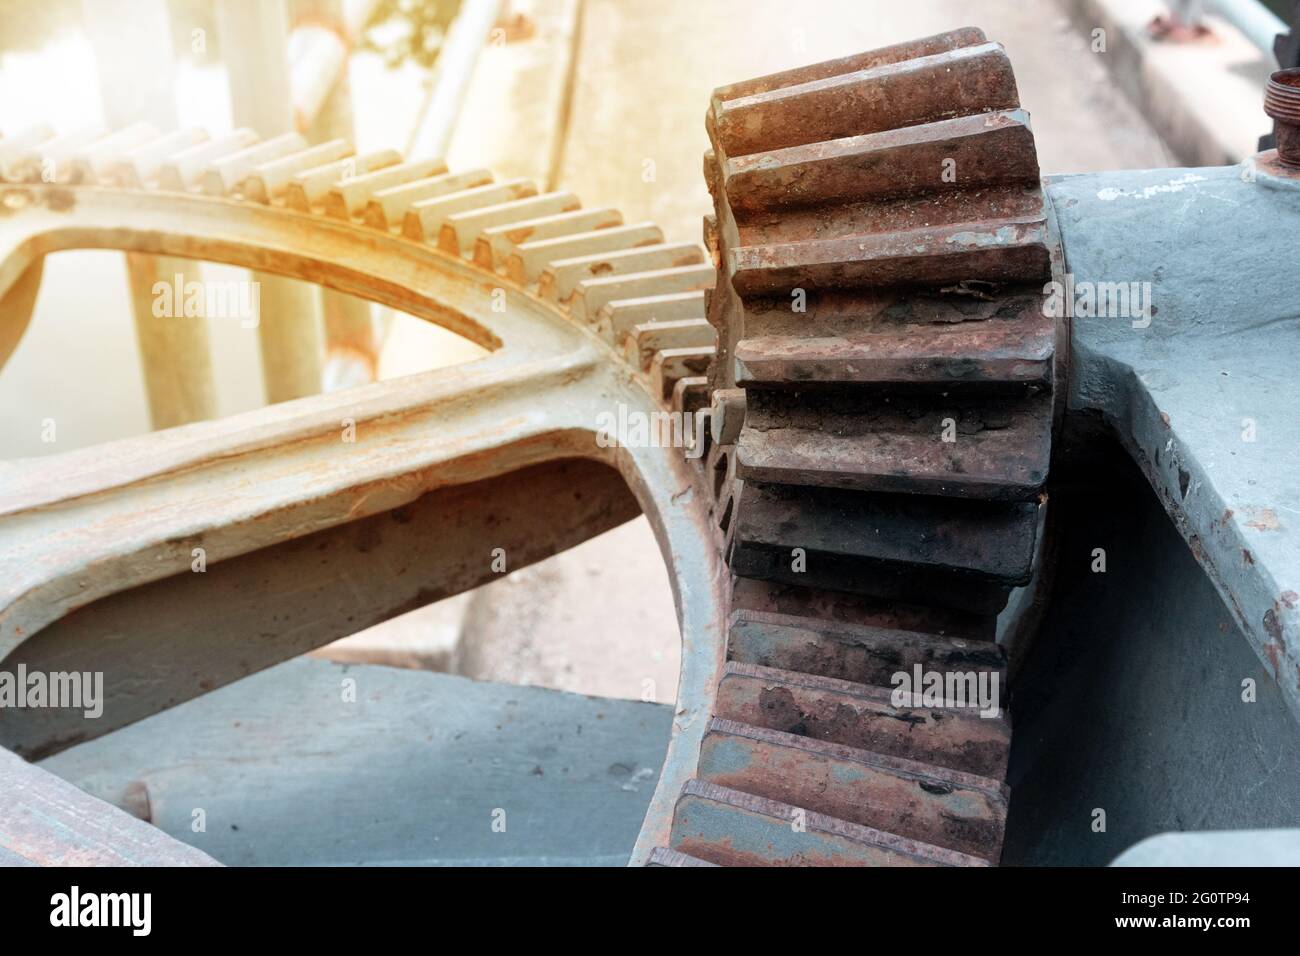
583	314
875	361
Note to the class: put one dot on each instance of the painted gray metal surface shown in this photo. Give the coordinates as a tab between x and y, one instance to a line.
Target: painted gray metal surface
1131	701
160	644
1204	396
1233	848
288	773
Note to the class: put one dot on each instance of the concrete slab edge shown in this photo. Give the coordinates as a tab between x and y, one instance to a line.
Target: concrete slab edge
1205	99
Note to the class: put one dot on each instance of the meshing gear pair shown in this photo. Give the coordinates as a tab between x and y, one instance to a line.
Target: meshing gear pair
868	343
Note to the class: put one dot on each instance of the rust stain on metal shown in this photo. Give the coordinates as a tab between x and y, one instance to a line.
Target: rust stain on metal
1262	519
1282	104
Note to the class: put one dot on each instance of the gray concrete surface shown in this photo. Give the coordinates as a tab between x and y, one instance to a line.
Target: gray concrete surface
597	619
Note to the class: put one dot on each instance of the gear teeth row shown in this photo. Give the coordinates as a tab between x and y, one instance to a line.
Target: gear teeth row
644	296
738	828
881	406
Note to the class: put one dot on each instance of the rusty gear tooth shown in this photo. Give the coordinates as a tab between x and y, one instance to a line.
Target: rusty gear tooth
422	220
847	713
459	233
225	174
94	161
817	607
560	279
730	827
503	247
648	338
995	251
546	256
141	165
931	805
183	169
990	150
348	196
39	158
987	447
308	188
593	294
901	338
926	46
958	82
691	396
670	365
271	179
914	535
862	653
618	318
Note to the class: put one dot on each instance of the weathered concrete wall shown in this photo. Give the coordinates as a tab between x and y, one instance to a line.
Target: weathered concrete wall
1205	98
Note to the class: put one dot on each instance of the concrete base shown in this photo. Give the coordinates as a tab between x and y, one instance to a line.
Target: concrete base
419	768
1205	98
598	619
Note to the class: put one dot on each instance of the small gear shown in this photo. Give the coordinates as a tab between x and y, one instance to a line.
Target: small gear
883	401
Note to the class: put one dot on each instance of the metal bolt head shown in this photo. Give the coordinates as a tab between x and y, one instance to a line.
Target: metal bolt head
1282	103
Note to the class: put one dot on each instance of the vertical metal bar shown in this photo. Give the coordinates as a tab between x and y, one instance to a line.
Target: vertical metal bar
254	41
324	106
465	38
133	51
